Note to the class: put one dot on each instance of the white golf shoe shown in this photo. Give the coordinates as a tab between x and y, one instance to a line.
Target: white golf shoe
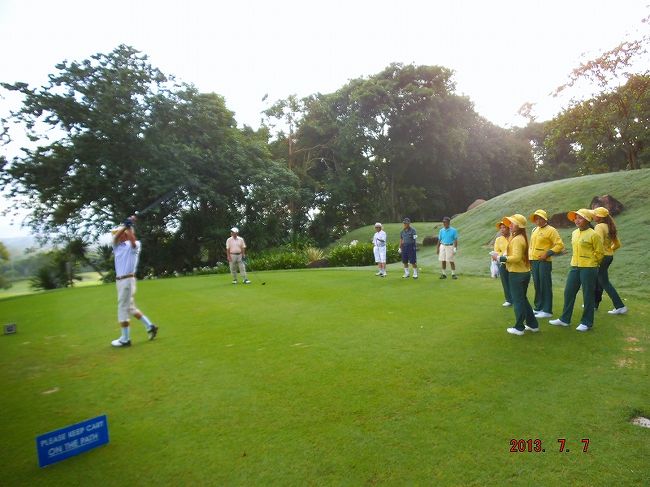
120	343
543	314
582	327
528	328
506	304
557	322
514	331
618	311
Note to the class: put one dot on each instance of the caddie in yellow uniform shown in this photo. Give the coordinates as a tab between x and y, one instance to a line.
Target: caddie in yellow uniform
516	260
606	228
545	241
587	255
501	248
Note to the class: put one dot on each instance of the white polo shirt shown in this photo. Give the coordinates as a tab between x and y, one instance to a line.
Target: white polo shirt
126	257
235	245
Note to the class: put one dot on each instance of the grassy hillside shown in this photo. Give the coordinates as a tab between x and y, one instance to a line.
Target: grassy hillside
631	267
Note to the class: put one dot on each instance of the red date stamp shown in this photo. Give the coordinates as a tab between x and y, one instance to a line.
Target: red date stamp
535	445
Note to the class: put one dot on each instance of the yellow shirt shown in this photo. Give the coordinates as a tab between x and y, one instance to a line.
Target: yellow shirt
501	245
515	257
543	239
609	245
587	248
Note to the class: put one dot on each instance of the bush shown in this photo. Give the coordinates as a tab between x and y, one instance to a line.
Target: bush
276	260
359	255
314	254
46	278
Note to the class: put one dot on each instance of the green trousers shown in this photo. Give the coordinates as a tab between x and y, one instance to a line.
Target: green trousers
543	284
504	275
605	285
523	310
585	277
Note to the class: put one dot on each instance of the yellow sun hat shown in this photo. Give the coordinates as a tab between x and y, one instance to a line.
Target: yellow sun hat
540	213
601	212
583	212
517	218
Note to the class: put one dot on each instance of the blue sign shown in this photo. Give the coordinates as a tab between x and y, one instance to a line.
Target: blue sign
72	440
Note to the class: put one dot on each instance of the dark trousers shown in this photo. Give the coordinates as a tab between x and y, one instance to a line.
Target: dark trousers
523	310
543	285
603	284
585	277
504	275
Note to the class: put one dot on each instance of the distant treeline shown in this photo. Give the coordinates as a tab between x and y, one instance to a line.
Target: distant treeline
398	143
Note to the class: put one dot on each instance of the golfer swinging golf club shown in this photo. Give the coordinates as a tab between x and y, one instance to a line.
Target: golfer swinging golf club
127	252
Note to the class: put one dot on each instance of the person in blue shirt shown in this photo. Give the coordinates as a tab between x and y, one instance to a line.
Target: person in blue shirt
447	248
407	239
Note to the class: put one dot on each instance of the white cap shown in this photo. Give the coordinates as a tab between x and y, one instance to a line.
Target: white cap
378	224
234	229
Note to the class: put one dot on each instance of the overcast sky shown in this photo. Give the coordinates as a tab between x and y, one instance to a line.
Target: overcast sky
504	53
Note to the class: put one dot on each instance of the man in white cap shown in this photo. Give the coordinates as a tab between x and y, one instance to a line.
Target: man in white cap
379	249
127	253
236	253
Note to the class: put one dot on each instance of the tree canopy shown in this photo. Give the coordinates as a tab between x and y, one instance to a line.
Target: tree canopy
111	134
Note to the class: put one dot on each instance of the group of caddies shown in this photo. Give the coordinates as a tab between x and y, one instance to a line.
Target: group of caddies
593	244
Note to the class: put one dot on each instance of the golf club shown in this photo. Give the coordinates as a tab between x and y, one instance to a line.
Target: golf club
166	197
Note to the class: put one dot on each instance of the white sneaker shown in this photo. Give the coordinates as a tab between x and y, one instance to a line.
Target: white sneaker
415	276
618	311
405	276
378	273
506	304
582	327
557	322
234	281
120	343
528	328
543	314
514	331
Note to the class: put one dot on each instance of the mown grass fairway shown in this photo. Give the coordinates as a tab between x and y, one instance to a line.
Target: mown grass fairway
325	377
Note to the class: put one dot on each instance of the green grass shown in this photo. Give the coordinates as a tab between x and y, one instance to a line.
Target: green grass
23	286
337	377
324	377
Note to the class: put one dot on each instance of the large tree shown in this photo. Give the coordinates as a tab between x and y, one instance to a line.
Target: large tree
398	143
607	130
121	135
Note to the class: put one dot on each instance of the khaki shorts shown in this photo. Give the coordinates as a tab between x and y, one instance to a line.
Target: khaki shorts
446	253
125	302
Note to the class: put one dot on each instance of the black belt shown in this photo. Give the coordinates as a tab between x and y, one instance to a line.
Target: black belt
447	245
232	253
125	276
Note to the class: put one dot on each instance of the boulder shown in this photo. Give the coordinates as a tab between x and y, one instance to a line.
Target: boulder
476	203
559	220
614	206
